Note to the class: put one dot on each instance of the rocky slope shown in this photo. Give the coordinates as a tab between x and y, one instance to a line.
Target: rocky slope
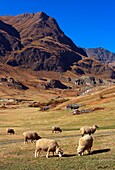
101	54
35	41
90	66
9	39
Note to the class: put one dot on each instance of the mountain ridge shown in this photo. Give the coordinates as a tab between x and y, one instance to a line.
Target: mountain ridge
43	41
38	43
101	54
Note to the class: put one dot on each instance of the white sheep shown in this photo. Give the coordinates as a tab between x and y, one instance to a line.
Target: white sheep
88	130
47	145
30	135
56	129
85	143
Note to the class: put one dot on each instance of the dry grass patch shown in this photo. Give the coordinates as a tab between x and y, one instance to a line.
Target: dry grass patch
17	156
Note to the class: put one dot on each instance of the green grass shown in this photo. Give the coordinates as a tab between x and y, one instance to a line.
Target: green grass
15	155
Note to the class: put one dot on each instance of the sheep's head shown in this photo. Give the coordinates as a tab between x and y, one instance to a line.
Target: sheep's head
38	137
60	130
80	151
59	151
96	126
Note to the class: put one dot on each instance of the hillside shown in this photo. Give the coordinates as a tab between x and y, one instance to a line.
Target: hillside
91	66
101	54
36	54
20	117
36	41
43	45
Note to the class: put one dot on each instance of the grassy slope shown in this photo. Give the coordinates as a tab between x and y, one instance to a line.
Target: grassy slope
17	156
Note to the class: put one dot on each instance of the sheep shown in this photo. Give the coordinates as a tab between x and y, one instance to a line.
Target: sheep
47	145
85	143
56	129
30	135
88	130
10	131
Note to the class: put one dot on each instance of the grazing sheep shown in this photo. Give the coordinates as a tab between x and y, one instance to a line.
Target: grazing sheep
10	131
88	130
47	145
56	129
85	143
72	106
30	135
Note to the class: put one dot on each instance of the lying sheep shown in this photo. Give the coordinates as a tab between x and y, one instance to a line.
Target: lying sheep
88	130
10	131
56	129
85	143
30	135
47	145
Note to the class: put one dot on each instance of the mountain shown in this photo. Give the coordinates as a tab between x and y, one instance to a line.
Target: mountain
90	66
36	41
101	54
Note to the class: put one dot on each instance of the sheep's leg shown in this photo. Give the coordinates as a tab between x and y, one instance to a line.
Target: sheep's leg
79	154
88	151
37	153
53	153
47	154
25	140
82	153
32	140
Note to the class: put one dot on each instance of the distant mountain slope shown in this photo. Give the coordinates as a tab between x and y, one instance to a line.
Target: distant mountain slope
44	46
90	66
101	54
35	41
9	39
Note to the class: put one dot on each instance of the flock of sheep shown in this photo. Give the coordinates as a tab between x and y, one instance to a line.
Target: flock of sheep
50	145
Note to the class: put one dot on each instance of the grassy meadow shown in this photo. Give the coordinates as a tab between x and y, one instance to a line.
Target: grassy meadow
15	155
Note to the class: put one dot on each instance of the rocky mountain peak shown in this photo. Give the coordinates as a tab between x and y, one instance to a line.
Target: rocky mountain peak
41	15
43	45
36	41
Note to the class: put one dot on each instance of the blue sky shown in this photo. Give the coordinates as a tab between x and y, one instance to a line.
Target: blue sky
89	23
